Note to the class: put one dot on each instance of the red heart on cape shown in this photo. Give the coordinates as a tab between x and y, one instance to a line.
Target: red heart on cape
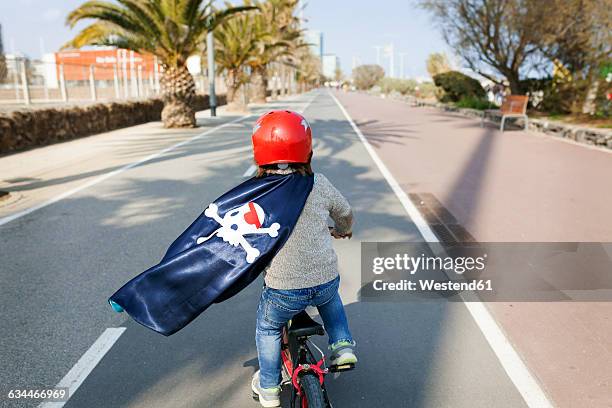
251	217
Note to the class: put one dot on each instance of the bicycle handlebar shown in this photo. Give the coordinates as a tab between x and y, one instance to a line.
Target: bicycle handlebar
333	233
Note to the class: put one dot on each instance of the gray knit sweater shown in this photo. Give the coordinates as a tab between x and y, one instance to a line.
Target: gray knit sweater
308	258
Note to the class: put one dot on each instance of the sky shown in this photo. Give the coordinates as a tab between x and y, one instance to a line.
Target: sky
354	28
350	29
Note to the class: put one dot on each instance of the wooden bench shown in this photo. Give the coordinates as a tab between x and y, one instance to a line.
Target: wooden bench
513	106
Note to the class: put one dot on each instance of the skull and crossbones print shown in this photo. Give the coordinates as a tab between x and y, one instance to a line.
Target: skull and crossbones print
235	224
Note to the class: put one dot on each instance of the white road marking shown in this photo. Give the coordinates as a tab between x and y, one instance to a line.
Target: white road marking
103	177
86	364
251	170
79	372
301	111
510	360
412	211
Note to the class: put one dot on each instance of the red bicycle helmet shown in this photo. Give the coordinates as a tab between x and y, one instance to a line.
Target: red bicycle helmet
281	136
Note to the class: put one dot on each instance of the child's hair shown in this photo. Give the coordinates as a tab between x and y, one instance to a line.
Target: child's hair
268	169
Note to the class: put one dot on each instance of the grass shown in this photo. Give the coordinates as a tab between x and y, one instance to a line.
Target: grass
475	103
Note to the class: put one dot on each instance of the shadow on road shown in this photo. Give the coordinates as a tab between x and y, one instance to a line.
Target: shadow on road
210	362
108	234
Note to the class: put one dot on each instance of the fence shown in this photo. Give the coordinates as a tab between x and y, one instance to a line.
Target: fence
59	81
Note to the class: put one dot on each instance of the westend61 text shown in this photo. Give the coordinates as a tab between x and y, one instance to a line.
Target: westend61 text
432	285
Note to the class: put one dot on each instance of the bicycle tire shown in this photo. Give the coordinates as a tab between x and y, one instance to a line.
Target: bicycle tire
311	392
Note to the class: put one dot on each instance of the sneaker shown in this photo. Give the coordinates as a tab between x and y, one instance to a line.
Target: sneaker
342	353
268	397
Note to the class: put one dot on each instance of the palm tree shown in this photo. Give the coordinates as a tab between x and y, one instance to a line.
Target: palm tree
280	34
308	67
3	68
172	30
236	42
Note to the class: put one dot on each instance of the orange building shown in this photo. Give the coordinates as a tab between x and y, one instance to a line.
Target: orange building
106	61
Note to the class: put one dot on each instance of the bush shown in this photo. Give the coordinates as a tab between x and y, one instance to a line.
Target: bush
457	86
366	76
29	128
426	90
403	86
475	103
553	95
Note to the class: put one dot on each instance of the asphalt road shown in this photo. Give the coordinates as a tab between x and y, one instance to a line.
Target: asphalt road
62	261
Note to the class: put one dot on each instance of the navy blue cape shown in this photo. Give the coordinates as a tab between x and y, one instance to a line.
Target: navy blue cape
193	275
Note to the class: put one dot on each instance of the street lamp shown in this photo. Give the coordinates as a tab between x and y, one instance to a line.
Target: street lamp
212	97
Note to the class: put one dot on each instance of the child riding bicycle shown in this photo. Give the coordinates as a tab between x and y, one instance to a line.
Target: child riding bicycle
304	272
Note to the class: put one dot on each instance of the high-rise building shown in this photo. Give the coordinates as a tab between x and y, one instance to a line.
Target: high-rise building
315	40
330	64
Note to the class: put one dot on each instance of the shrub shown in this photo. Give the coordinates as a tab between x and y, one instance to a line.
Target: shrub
403	86
366	76
457	85
28	128
555	96
475	103
426	90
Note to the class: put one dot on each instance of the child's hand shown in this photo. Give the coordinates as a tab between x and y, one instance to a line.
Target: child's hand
337	235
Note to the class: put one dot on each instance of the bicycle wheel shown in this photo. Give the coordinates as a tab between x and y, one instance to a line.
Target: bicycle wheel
312	394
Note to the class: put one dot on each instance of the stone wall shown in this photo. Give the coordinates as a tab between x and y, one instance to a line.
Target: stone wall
24	129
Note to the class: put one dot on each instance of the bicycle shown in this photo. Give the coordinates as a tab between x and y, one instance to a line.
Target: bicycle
300	368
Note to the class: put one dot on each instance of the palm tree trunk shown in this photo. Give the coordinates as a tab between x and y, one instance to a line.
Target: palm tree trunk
235	92
283	80
259	80
178	89
275	82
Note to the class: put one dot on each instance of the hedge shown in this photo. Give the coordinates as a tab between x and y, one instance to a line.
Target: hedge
23	129
457	85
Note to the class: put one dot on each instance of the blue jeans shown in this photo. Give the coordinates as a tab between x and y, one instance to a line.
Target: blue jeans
277	307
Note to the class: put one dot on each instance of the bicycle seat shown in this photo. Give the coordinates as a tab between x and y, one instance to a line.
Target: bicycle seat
302	325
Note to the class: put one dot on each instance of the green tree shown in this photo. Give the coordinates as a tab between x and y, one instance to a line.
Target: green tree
457	86
307	67
403	86
492	35
279	35
3	68
366	76
578	39
338	75
172	30
237	42
437	63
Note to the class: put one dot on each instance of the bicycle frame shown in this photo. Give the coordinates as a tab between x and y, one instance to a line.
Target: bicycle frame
298	359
